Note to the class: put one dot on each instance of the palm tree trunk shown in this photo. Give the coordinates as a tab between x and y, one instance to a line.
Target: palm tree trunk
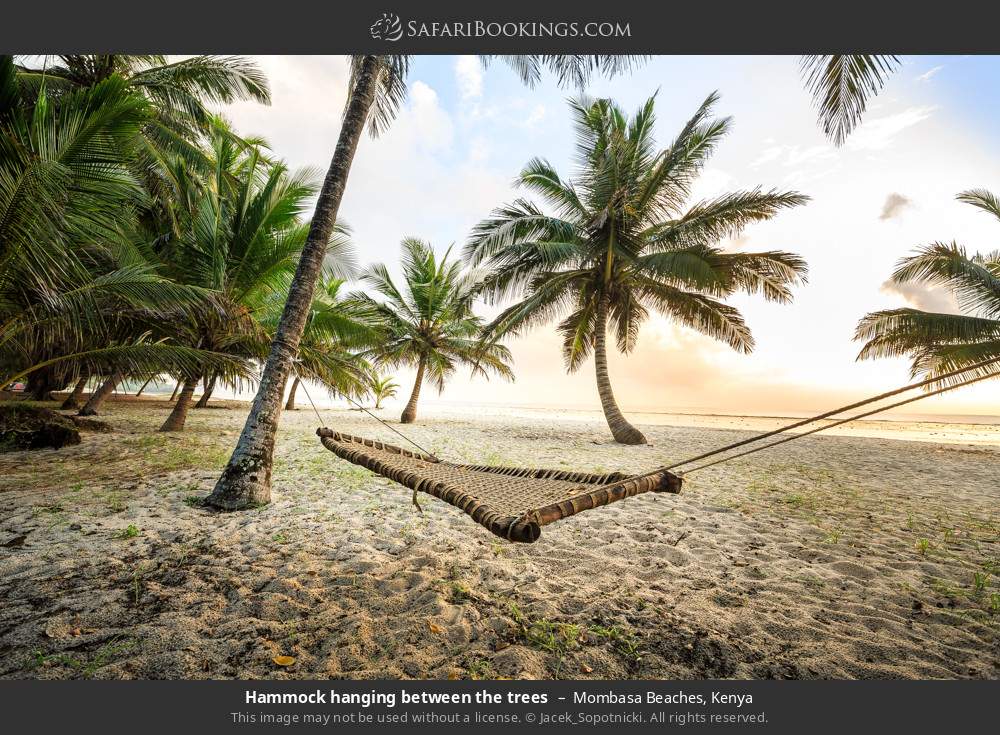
175	421
177	387
139	392
40	385
207	395
246	481
97	398
410	412
290	403
621	429
72	401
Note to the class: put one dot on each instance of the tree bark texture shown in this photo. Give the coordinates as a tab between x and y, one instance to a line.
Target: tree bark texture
97	398
621	429
410	412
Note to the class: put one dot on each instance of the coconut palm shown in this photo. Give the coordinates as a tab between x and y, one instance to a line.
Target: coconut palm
621	242
72	276
382	387
338	329
842	84
429	324
939	343
177	91
238	238
177	95
377	88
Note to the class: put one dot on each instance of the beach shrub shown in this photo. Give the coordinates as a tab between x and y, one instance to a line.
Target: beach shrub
23	426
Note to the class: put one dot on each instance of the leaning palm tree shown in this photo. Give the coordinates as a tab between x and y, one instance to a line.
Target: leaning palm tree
621	242
938	343
377	88
429	324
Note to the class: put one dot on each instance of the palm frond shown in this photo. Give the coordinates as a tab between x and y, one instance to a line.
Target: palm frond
983	199
841	86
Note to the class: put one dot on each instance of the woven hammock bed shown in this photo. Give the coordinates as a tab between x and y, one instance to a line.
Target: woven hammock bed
512	502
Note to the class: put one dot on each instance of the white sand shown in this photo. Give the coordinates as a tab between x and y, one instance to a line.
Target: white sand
831	557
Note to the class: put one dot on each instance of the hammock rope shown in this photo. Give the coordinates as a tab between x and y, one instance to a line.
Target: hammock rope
360	408
849	407
839	422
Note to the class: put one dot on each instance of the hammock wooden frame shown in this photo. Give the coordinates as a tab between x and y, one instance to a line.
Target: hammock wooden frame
511	502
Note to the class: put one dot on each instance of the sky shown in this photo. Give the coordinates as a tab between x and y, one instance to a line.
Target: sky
465	132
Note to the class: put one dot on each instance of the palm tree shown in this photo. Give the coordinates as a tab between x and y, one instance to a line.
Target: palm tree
337	330
382	387
940	343
377	88
177	91
238	238
622	242
429	324
72	276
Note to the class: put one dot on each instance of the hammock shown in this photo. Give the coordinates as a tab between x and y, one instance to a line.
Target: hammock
512	502
515	502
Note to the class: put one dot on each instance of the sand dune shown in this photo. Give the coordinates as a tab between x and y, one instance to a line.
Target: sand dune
833	557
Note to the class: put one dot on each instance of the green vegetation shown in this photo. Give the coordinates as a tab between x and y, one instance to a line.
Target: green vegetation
85	666
382	388
560	638
143	237
129	532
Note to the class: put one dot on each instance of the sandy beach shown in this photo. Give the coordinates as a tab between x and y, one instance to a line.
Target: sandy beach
870	554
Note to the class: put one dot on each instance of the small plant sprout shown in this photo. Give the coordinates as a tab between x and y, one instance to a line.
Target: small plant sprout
994	604
979	582
131	531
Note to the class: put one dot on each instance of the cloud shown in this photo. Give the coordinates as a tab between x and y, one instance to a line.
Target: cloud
921	296
878	133
894	206
469	77
926	76
793	155
711	183
423	177
431	123
536	116
302	139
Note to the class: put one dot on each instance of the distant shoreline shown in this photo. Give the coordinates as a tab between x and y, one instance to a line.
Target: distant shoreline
986	420
956	429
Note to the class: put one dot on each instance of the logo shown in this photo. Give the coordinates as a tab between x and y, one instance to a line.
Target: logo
387	28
